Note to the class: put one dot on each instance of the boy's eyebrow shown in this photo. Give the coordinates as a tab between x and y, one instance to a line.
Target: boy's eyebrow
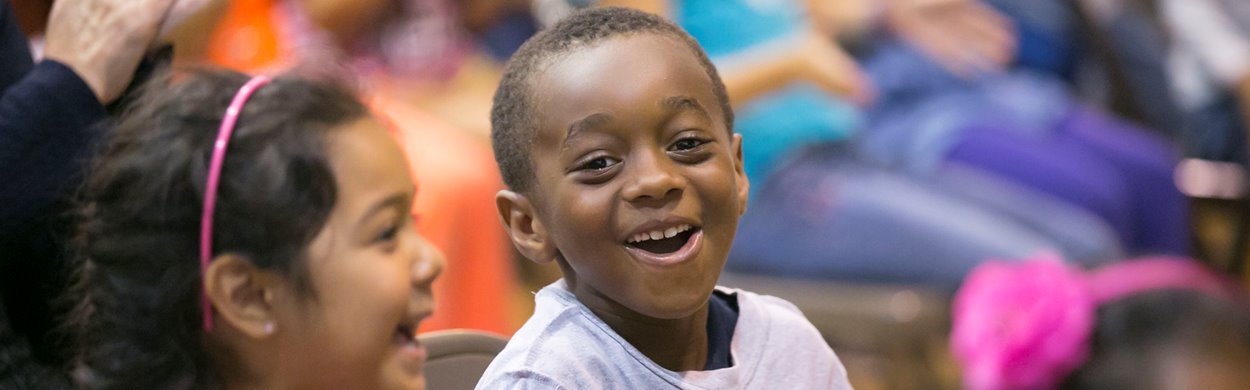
683	102
592	120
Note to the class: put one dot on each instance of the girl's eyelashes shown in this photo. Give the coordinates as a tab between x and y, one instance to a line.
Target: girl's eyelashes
389	234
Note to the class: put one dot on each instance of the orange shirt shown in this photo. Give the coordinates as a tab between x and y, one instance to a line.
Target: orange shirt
457	180
245	38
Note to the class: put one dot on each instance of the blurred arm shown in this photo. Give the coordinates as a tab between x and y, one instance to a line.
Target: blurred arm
814	58
965	36
811	58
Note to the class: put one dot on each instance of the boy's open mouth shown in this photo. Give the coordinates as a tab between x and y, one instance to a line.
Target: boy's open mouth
663	241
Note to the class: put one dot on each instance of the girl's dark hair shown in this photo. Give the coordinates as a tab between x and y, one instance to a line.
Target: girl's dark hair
1134	336
138	320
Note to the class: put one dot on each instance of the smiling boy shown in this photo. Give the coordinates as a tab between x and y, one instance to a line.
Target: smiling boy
612	130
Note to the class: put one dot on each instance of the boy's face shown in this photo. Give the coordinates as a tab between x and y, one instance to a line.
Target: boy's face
639	184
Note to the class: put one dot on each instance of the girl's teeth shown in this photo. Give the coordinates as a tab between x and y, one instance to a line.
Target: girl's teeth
656	235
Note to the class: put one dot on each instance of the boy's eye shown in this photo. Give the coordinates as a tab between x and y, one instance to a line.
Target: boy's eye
686	144
599	164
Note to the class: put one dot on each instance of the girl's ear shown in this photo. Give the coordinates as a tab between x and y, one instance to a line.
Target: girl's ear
243	295
744	184
524	227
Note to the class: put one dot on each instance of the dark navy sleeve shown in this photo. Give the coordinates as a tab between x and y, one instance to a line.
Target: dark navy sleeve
13	48
46	112
46	133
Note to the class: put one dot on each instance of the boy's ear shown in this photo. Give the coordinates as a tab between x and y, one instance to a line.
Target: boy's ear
526	230
744	184
242	294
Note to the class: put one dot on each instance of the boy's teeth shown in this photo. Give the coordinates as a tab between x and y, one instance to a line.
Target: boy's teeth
670	232
660	234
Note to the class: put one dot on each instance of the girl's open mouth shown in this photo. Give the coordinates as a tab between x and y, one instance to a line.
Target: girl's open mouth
411	352
405	334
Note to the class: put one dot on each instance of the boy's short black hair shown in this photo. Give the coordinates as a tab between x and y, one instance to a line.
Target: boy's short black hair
512	113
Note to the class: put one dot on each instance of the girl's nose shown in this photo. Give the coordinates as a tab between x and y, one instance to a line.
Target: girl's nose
428	264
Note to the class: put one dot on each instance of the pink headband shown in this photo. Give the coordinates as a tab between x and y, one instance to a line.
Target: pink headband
210	190
1027	325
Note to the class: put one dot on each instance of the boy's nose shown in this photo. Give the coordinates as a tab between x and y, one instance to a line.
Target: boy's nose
652	178
428	264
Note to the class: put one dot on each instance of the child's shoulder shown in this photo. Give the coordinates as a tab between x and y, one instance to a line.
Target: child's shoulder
778	311
560	324
560	344
769	322
782	346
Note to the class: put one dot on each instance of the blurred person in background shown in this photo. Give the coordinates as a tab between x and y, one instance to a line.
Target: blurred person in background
1174	67
1000	115
1181	67
443	56
1152	323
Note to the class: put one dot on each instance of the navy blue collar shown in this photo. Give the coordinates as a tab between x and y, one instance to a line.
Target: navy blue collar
722	318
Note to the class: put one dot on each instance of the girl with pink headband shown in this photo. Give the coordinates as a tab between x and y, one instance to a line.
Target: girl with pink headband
251	233
1152	323
403	54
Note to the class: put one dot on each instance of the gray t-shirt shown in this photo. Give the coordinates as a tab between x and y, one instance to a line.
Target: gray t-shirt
565	346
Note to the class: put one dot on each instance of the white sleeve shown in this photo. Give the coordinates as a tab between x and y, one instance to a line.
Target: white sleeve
1203	27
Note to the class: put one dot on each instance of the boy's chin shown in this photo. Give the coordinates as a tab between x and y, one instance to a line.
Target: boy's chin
676	307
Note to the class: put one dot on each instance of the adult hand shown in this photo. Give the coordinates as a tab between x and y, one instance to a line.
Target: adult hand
183	10
103	40
965	36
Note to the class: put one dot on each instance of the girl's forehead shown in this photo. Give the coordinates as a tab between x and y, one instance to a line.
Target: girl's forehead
366	160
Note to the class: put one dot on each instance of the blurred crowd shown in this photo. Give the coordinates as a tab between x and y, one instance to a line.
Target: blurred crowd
891	142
